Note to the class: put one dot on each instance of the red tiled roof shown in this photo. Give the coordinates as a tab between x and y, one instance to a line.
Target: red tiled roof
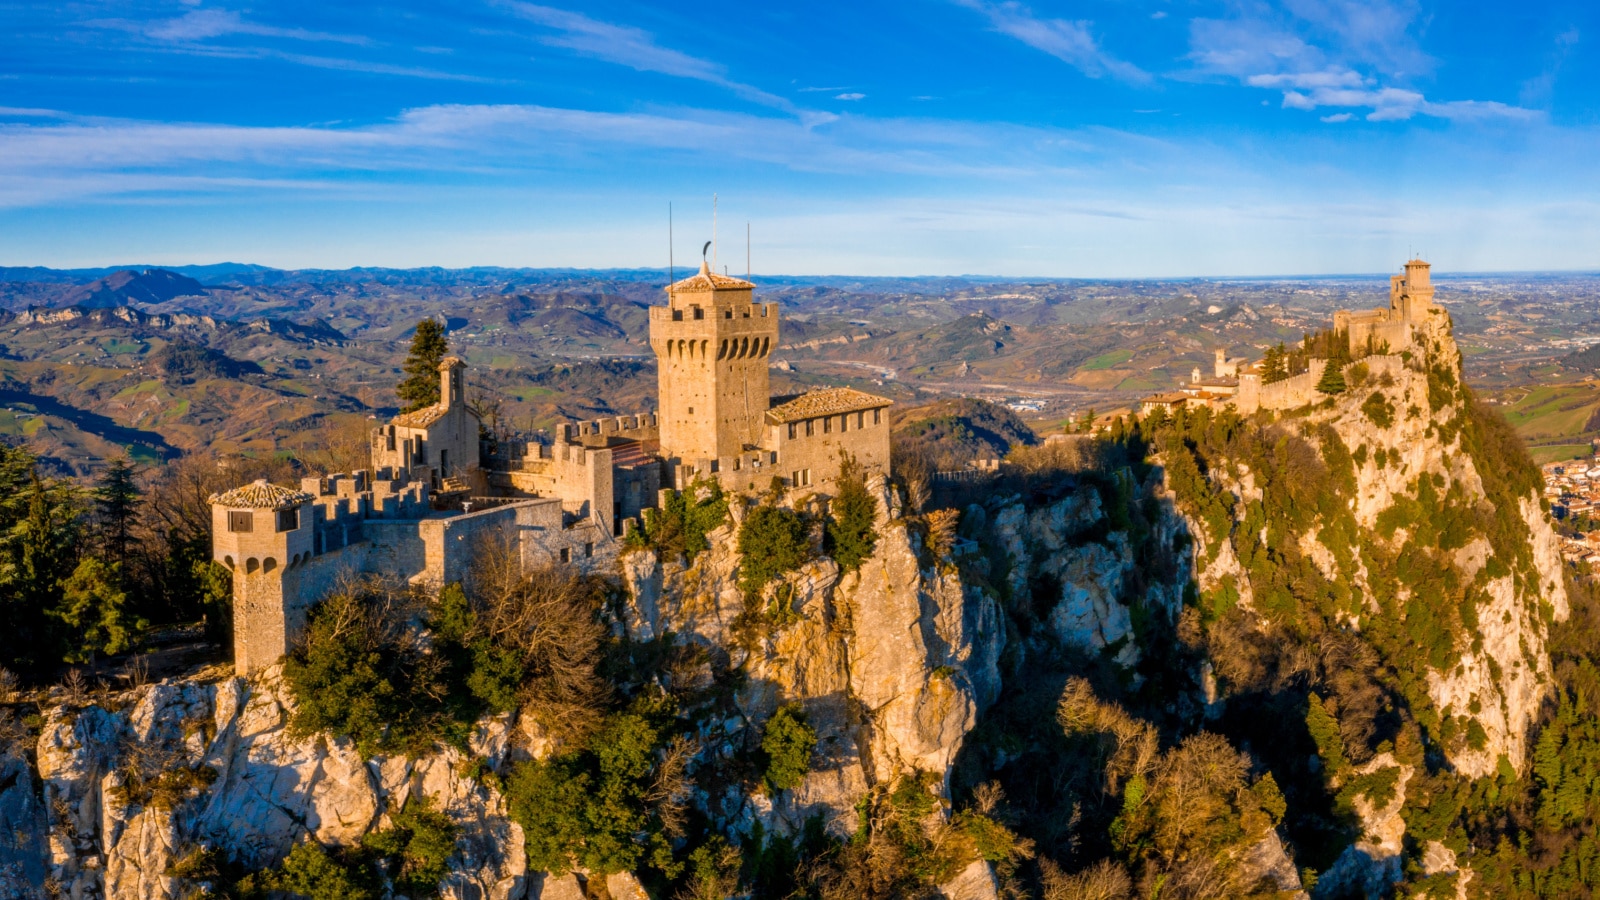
261	494
824	403
707	280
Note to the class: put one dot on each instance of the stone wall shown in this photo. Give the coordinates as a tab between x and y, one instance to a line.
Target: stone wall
583	481
269	608
865	437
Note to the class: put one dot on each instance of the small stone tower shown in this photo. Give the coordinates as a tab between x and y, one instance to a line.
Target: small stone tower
261	532
1411	294
712	344
452	382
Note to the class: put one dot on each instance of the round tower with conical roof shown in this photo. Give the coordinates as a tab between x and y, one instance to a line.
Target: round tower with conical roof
260	532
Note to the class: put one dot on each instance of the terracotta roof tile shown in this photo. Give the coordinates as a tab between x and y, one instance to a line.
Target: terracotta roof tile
706	280
823	403
260	494
420	418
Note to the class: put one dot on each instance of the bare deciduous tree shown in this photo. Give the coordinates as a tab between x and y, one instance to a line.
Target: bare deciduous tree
549	617
1105	880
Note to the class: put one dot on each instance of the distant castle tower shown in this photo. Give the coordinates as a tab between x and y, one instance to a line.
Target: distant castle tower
712	344
1390	330
1411	294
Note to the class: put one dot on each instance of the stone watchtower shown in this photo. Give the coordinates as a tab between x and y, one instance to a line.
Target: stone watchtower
262	532
712	343
1411	294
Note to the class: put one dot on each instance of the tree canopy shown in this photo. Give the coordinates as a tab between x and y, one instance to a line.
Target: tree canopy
420	386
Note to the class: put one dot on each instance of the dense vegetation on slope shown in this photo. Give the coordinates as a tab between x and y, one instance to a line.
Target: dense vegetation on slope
84	571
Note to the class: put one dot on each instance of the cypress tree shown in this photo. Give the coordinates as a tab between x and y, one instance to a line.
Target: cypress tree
420	387
1332	378
851	516
116	499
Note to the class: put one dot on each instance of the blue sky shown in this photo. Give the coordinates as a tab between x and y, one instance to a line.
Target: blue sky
1101	138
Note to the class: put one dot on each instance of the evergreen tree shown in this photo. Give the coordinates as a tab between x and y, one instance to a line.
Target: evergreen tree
420	387
116	501
851	515
1274	364
92	608
1332	378
38	538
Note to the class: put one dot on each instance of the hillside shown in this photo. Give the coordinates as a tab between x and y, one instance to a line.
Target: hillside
128	287
1330	652
950	434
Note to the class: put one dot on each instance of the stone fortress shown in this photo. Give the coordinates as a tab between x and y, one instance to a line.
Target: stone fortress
435	492
1377	338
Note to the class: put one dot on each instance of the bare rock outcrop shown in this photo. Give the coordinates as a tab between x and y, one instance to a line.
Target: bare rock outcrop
252	788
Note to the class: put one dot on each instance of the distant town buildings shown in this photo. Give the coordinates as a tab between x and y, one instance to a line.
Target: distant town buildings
1573	491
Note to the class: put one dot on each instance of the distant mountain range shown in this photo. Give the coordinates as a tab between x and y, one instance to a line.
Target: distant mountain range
128	286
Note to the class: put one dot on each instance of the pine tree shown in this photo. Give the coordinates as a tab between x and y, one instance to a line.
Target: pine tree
93	609
420	387
1274	365
1332	378
1324	730
116	500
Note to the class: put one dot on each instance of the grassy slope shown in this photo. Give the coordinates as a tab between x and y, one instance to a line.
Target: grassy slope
1556	420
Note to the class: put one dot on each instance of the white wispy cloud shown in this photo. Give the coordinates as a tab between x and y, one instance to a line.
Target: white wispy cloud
1332	54
205	24
41	162
1072	42
634	47
851	95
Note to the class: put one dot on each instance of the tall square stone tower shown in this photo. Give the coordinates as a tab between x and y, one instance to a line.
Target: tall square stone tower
712	344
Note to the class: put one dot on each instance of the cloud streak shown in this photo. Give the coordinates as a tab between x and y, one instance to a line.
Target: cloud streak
44	162
1069	41
1333	55
635	48
206	24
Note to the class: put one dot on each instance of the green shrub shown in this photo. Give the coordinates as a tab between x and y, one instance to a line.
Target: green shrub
606	807
772	541
1378	408
313	872
680	526
415	849
1378	787
361	672
787	742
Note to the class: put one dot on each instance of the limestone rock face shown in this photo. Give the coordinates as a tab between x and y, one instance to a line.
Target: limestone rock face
266	791
1070	543
890	663
24	830
975	882
1372	864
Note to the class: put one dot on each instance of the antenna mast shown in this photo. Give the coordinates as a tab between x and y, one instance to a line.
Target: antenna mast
713	232
671	277
747	251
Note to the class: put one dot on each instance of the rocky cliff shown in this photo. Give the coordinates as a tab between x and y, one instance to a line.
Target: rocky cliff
1220	655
